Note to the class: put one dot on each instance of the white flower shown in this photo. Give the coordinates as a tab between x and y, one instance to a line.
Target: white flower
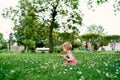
64	72
38	76
31	69
79	72
42	67
105	63
98	71
12	71
82	78
70	68
65	69
46	63
59	73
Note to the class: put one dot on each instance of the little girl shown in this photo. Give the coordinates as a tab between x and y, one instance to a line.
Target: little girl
69	57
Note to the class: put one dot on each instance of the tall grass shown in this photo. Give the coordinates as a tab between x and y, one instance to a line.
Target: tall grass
91	66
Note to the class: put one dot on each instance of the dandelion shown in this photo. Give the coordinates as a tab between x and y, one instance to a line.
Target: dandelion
100	59
98	71
1	69
54	66
59	73
65	69
70	68
105	63
3	62
64	72
79	72
31	69
38	76
12	71
32	62
46	63
89	67
36	62
117	71
110	75
82	78
92	65
42	67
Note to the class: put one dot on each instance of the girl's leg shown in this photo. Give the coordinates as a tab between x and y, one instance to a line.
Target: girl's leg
65	63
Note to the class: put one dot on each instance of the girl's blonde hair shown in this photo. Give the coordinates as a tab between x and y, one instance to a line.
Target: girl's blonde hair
67	45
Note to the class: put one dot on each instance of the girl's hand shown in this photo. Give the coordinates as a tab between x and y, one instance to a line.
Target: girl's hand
64	58
60	55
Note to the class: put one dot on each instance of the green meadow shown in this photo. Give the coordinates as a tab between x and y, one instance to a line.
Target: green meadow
44	66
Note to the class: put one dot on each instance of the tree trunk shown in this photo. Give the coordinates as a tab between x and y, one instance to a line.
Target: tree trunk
26	48
51	41
9	46
86	45
114	45
54	13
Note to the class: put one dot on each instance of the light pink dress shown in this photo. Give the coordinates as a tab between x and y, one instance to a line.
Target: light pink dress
73	62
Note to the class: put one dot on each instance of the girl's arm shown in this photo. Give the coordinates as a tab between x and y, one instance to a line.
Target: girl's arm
70	57
60	55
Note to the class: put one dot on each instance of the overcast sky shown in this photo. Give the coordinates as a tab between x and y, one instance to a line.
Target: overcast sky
6	24
103	15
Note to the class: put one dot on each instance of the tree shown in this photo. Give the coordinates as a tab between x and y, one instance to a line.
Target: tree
93	41
3	43
11	40
27	26
29	44
97	29
113	39
59	37
57	11
48	13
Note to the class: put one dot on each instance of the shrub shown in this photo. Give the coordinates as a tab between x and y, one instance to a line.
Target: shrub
57	49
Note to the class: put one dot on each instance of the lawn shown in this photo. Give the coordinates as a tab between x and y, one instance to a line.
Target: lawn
43	66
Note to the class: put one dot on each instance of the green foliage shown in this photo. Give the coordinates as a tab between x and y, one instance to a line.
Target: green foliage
95	41
38	19
61	37
29	43
76	43
92	4
117	51
3	43
97	29
27	25
57	49
6	51
116	6
1	36
113	39
11	38
95	66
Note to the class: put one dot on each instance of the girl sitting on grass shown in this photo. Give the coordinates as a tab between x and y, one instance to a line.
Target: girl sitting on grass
68	57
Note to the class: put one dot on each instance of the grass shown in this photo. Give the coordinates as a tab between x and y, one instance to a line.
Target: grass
91	66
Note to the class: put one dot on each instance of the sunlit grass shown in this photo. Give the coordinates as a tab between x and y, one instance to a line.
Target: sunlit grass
91	66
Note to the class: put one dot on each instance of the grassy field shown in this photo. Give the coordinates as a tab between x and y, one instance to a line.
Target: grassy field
91	66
